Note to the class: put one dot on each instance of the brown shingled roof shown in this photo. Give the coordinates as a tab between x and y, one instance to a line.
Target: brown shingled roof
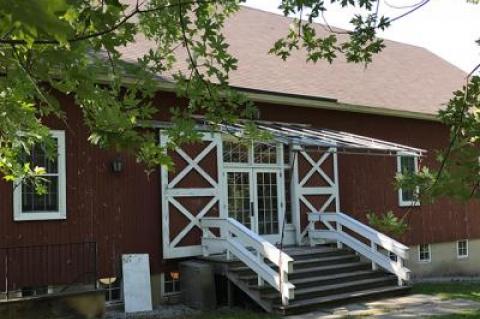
402	77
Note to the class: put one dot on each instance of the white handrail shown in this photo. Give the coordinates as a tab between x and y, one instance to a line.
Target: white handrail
238	240
375	238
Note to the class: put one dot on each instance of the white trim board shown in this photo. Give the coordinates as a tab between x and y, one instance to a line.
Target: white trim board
19	215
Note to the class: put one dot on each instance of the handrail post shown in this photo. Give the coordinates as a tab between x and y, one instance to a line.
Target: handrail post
339	228
260	281
204	236
229	236
374	250
400	265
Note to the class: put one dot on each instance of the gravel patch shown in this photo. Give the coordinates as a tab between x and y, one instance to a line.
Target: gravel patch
160	312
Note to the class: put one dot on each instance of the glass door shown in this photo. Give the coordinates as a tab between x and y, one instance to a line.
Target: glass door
254	198
239	196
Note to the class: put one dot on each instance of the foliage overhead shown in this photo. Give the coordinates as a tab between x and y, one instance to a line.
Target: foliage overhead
52	48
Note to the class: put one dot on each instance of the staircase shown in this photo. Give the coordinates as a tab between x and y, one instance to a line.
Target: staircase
322	276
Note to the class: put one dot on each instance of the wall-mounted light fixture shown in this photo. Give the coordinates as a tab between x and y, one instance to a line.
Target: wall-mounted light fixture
117	164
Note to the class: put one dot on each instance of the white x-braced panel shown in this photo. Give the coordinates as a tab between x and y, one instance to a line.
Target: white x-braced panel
329	191
172	195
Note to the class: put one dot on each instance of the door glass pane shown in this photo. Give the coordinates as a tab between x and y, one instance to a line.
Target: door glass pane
267	197
238	184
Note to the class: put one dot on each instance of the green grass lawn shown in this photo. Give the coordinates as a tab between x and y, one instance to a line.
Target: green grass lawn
450	290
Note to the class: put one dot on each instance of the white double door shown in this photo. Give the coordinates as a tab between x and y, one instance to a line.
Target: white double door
255	197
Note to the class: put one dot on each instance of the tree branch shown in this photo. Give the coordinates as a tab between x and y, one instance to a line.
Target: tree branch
116	26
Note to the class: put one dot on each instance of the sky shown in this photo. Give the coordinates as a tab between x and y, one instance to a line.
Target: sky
448	28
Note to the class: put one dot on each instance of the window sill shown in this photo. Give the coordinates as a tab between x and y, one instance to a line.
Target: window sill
408	204
39	216
424	261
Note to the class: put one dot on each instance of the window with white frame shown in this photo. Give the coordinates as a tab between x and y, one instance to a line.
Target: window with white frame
407	164
30	205
256	154
462	248
424	253
170	283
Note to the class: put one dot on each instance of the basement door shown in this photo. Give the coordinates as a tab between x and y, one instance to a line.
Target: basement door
254	198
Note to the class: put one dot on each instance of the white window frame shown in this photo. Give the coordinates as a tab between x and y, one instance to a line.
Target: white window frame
163	293
429	254
458	249
401	202
19	215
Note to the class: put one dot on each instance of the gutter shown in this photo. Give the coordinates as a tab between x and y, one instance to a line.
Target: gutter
303	101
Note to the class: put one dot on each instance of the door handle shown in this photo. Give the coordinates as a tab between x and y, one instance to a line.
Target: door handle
251	209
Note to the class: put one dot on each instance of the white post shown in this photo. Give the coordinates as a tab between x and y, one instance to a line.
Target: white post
204	245
260	281
339	230
400	266
374	250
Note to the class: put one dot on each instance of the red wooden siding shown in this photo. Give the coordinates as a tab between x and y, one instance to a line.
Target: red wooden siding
122	212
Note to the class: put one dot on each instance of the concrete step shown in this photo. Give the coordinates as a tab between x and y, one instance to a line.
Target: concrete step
305	305
333	289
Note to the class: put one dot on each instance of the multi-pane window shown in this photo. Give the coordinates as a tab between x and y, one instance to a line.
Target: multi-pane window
424	253
407	164
259	153
264	153
170	283
28	203
462	248
235	152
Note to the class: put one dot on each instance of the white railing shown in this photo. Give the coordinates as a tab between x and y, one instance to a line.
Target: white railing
252	250
370	235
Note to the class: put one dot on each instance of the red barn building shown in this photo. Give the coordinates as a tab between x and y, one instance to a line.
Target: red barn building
341	134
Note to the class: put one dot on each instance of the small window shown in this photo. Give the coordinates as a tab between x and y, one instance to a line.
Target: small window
407	164
265	153
234	152
170	283
462	248
28	204
424	253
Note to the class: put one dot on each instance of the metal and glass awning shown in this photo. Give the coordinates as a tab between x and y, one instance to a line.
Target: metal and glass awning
308	136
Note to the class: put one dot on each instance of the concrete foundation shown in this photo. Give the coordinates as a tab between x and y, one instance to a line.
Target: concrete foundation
444	261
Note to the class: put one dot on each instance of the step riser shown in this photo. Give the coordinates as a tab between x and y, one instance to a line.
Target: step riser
331	271
313	263
337	280
322	255
340	290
